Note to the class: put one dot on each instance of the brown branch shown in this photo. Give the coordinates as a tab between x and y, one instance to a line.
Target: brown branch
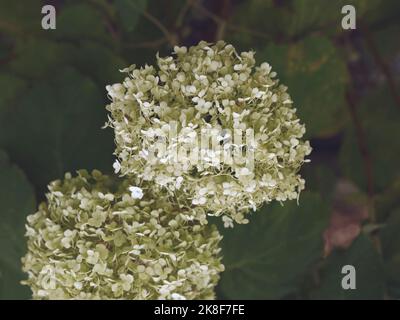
220	21
109	18
381	63
114	32
362	144
171	38
367	162
224	13
8	58
148	44
10	27
182	14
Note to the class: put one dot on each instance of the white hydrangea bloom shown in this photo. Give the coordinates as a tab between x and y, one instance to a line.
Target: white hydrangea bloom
116	166
84	244
213	89
136	192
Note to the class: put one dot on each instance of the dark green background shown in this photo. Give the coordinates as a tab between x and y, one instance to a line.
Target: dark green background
346	87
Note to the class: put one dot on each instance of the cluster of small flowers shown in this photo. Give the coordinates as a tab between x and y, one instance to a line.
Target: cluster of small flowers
146	236
212	87
98	237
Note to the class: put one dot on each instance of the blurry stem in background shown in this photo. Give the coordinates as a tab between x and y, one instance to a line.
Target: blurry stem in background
362	145
108	12
220	21
148	44
220	32
367	162
10	27
7	59
381	63
172	39
113	31
182	14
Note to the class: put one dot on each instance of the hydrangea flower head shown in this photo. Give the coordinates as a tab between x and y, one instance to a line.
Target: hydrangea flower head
208	125
93	239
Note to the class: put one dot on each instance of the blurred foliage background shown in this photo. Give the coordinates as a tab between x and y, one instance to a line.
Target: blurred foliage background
346	87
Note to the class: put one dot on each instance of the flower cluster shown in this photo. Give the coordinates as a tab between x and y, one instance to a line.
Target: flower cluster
206	132
98	237
209	88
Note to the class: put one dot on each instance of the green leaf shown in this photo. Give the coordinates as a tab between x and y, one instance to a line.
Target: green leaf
36	57
267	258
387	201
91	58
17	201
370	278
79	22
384	40
385	11
307	16
320	178
101	63
388	50
379	118
130	11
316	77
11	87
390	242
20	17
259	15
5	50
56	127
288	20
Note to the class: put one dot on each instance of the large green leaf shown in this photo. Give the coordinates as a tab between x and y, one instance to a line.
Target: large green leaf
387	201
370	277
130	11
267	258
316	77
78	22
379	118
91	58
100	62
17	201
37	57
388	51
292	19
20	17
310	15
390	242
11	87
259	15
384	40
56	127
385	11
320	178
